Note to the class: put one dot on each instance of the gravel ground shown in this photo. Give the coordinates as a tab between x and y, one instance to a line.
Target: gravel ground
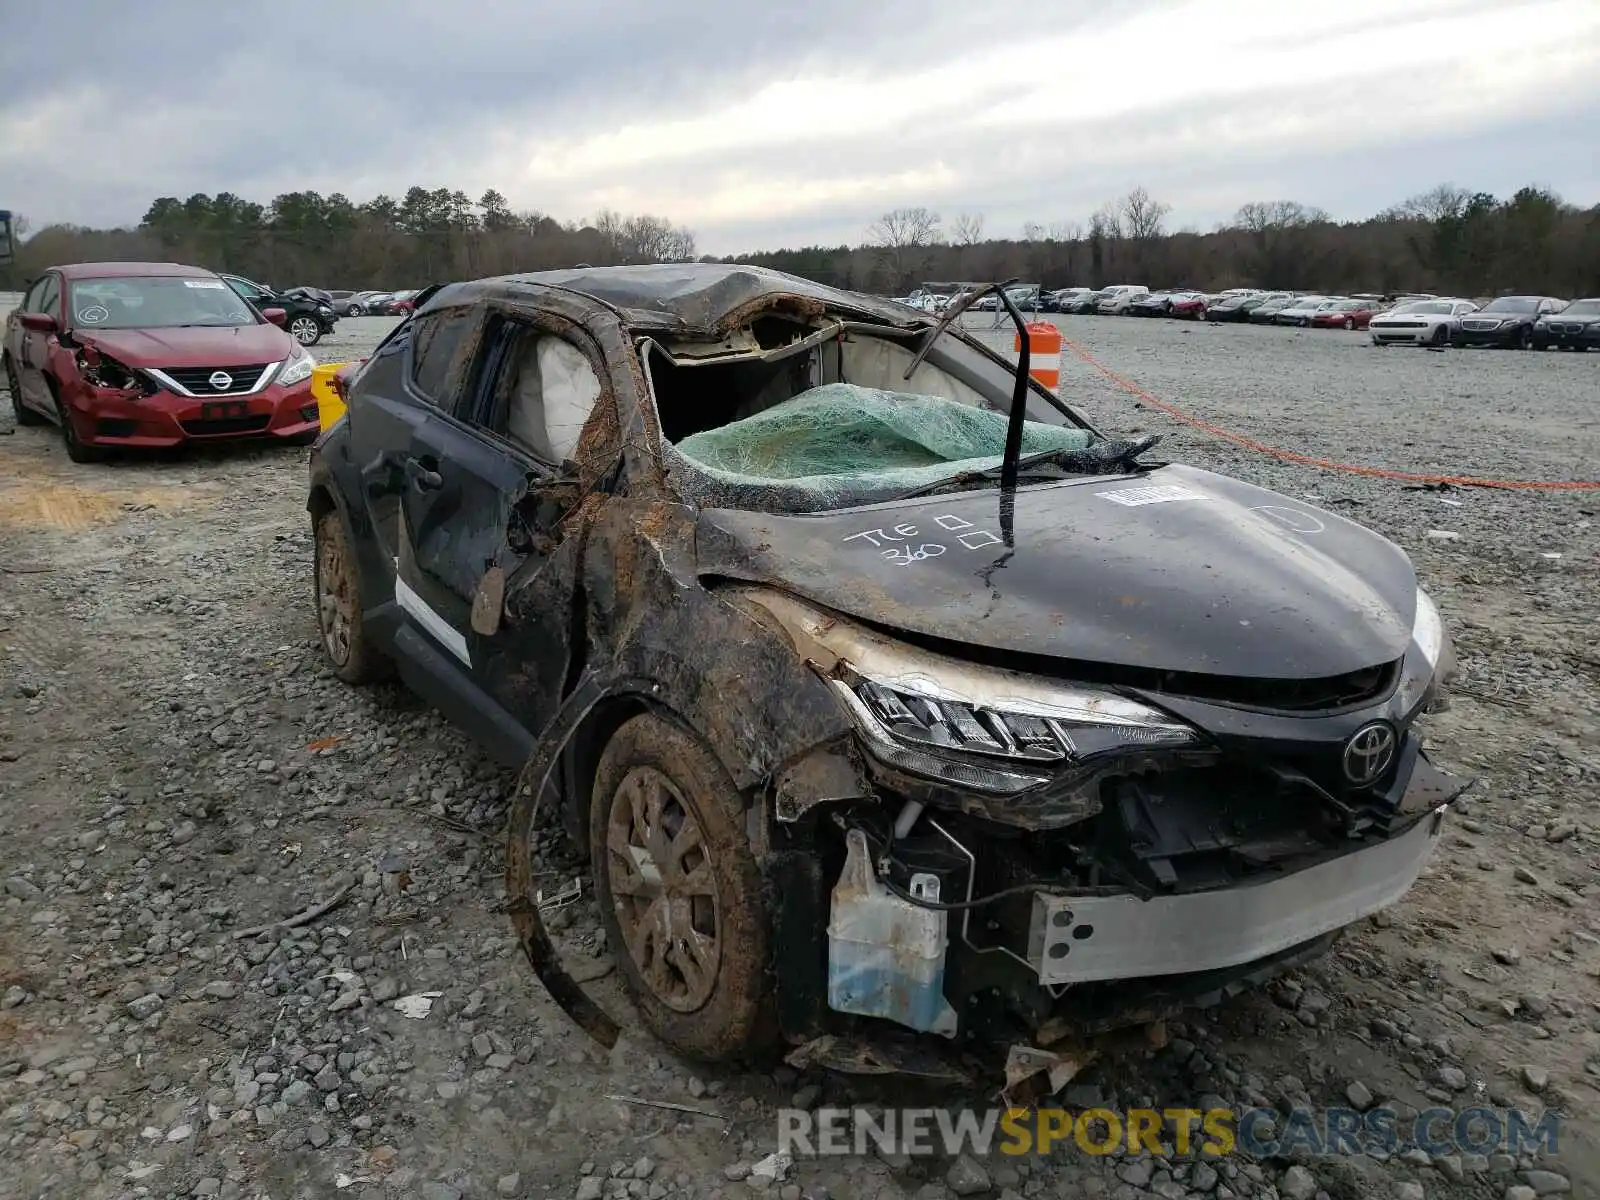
176	768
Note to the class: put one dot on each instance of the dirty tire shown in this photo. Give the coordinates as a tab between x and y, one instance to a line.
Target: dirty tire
1525	338
76	450
655	767
337	593
1441	336
24	414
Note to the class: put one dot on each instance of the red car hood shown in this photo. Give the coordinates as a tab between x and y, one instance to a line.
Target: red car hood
192	347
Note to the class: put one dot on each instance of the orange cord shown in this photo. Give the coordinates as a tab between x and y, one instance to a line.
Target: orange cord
1133	389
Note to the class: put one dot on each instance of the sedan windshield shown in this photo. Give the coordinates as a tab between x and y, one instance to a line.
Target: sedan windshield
1511	304
157	302
1582	308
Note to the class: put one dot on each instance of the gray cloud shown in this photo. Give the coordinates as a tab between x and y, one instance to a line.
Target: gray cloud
761	125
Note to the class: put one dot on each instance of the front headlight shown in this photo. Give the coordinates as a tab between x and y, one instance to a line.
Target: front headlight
1427	631
970	734
1429	660
296	367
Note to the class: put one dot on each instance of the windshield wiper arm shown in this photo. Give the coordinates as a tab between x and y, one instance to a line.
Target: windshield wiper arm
1112	454
950	314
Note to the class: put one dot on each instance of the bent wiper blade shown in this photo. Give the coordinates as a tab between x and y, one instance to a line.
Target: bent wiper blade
1112	454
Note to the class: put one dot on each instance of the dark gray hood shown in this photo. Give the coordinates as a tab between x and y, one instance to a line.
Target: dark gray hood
1216	577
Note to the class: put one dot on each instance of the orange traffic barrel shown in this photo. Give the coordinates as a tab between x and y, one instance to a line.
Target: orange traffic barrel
1044	353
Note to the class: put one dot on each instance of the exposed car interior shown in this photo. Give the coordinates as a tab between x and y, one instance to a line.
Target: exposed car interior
795	415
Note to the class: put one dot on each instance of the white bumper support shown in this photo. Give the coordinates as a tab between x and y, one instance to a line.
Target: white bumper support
1081	939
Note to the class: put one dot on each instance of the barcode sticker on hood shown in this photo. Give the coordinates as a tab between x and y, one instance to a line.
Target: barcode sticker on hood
213	285
1158	494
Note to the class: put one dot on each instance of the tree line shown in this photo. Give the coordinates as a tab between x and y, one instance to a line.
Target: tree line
1447	240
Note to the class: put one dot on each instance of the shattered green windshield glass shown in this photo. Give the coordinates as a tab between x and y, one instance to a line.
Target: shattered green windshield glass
841	440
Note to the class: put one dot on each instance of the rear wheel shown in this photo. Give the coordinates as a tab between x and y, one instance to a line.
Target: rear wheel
680	892
337	580
353	310
24	414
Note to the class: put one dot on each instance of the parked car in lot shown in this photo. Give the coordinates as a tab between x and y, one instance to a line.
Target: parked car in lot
1188	305
1173	736
1506	321
308	317
1575	327
1240	305
1067	299
1267	312
1303	309
1420	322
1120	299
401	302
1089	302
143	355
1152	304
1345	314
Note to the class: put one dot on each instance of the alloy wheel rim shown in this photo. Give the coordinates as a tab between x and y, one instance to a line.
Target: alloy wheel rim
304	330
334	601
663	890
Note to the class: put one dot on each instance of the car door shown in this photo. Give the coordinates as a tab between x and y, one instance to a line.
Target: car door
36	346
483	512
17	334
420	368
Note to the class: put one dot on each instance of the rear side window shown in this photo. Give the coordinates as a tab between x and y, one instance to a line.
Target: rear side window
32	302
438	358
50	300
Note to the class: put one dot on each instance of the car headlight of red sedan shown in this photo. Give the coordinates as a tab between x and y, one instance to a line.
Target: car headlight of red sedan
296	368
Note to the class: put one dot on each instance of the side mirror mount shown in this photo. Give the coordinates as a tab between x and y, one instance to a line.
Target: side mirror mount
40	322
276	315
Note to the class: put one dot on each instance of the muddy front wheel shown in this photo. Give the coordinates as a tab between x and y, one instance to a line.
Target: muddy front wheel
339	617
680	891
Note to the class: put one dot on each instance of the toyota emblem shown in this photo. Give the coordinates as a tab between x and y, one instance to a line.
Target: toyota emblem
1369	753
220	380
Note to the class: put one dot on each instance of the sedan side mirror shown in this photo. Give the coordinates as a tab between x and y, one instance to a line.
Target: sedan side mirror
40	322
276	315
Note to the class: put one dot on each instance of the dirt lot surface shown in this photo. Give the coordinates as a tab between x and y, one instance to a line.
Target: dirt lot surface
177	768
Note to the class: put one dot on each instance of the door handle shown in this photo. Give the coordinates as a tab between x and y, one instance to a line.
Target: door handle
422	477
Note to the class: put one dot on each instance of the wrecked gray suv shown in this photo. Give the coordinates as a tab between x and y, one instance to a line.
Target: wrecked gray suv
877	712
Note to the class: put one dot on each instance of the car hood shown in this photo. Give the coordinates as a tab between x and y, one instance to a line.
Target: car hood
1203	574
194	347
1385	318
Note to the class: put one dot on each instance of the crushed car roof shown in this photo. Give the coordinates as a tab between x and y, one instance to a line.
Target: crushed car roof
690	295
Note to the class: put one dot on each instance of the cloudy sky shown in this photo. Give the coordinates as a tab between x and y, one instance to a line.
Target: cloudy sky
780	124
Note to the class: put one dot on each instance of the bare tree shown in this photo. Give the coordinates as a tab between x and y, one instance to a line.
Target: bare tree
1438	204
903	238
1262	215
968	230
1106	222
1143	215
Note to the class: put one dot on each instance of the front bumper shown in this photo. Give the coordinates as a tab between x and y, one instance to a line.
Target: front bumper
1085	939
1388	335
1502	336
111	418
1572	336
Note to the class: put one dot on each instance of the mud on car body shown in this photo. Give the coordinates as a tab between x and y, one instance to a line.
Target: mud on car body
858	741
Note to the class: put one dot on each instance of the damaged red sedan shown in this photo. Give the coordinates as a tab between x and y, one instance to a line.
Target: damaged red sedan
147	355
890	703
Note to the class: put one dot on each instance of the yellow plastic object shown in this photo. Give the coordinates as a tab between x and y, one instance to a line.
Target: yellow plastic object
329	407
